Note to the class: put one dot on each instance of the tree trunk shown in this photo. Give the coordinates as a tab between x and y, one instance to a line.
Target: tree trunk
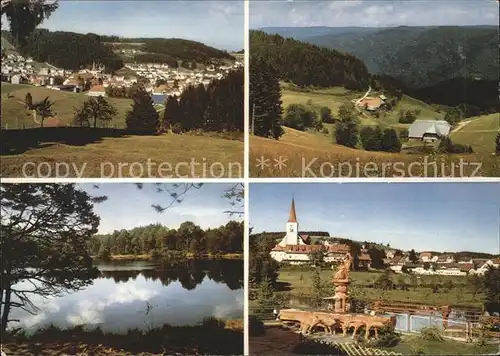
41	121
6	310
5	285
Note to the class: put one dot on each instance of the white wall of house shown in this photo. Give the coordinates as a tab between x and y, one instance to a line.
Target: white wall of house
282	256
396	268
96	93
450	272
15	79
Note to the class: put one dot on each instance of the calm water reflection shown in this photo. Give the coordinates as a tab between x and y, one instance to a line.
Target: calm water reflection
144	295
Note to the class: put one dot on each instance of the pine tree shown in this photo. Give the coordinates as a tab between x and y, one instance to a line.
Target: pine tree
371	138
445	145
265	296
46	227
143	117
346	129
171	113
390	141
497	145
317	287
236	101
212	118
265	99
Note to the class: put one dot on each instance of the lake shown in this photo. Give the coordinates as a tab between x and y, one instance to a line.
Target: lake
159	99
143	295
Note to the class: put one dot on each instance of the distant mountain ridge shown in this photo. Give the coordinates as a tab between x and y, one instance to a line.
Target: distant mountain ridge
417	56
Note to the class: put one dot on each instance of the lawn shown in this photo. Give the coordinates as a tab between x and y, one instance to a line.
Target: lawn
14	115
479	132
300	282
163	156
411	345
332	98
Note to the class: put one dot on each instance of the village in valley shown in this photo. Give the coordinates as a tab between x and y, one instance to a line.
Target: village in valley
159	79
323	293
297	248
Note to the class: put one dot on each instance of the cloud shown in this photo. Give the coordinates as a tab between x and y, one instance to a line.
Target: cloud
339	5
370	13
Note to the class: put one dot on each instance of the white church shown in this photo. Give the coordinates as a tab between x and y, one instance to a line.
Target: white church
295	248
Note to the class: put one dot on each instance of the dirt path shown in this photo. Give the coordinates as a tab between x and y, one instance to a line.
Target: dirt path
276	341
461	125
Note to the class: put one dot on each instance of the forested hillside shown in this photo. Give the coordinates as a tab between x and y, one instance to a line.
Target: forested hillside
177	48
452	66
70	50
306	65
421	56
474	97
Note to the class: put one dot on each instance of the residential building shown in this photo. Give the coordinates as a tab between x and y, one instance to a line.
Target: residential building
97	90
426	256
16	79
429	130
445	259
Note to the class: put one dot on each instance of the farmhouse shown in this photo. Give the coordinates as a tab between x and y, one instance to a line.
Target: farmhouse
97	90
295	248
429	130
371	104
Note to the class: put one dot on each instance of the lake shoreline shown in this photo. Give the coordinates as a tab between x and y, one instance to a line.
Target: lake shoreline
189	256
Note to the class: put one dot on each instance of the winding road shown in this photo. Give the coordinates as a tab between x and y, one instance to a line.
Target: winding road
356	102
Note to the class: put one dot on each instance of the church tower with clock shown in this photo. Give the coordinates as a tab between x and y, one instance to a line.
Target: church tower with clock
292	236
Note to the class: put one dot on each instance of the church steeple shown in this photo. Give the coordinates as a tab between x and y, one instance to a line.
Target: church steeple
293	216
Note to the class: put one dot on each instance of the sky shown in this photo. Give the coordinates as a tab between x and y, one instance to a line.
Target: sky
372	13
219	24
128	207
439	217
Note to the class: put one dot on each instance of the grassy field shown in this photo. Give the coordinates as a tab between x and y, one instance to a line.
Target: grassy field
15	116
314	154
334	97
306	154
162	156
479	132
300	283
213	155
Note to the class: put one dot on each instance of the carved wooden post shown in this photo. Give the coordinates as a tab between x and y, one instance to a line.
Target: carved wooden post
445	311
